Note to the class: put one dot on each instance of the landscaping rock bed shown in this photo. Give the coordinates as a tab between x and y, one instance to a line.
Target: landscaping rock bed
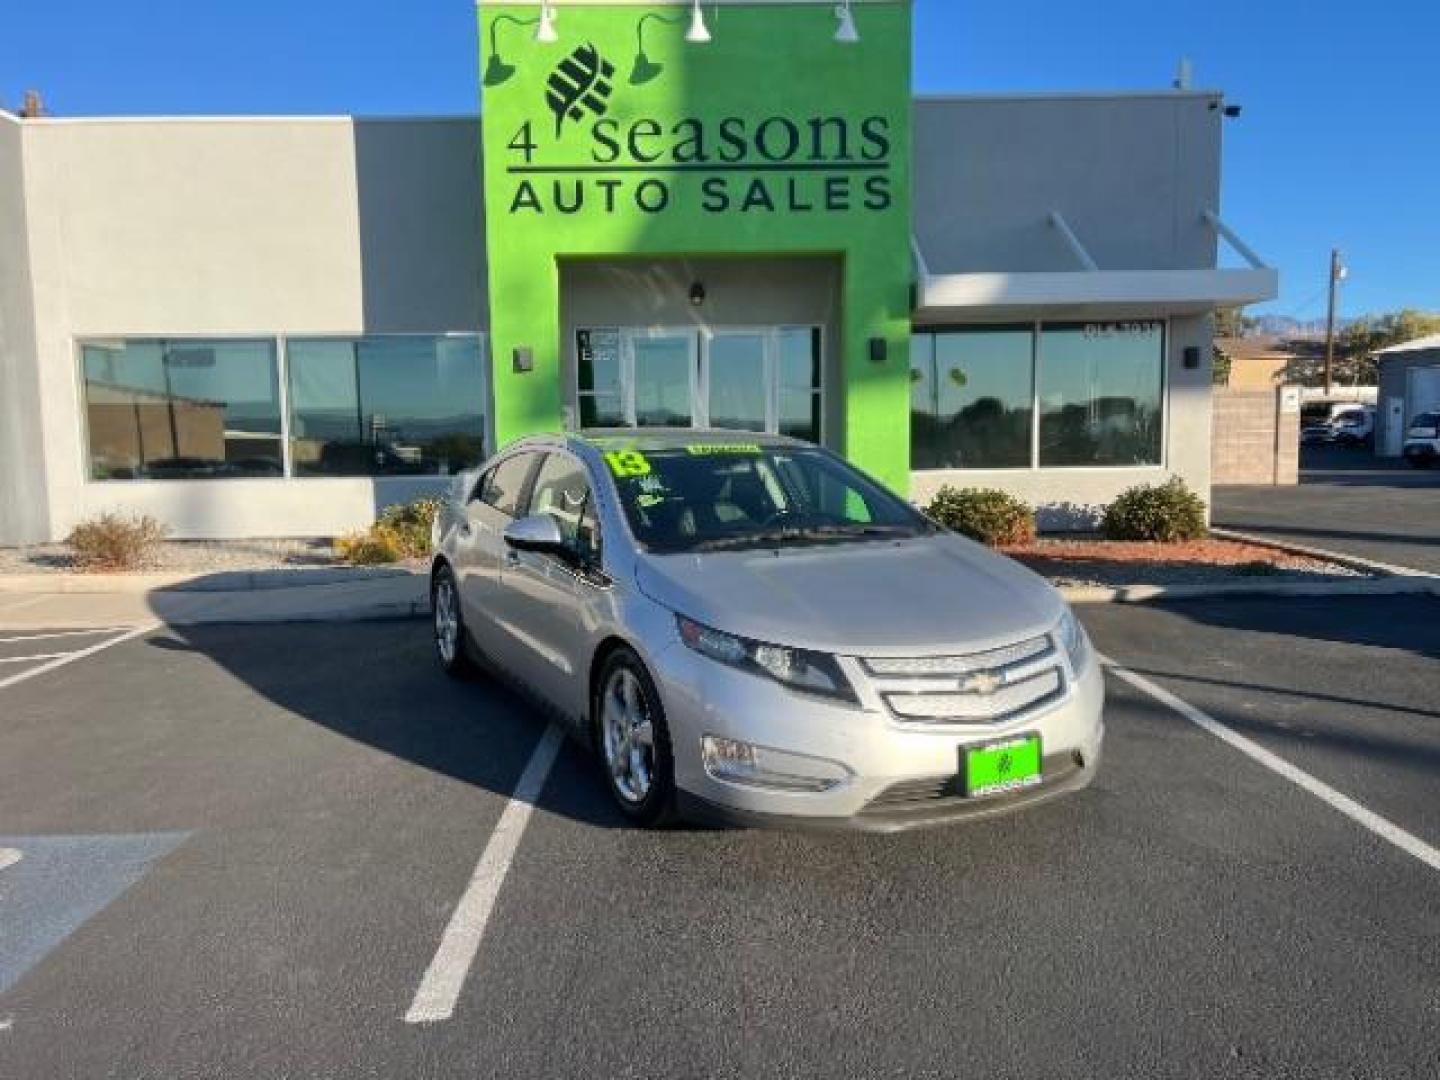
1090	563
186	556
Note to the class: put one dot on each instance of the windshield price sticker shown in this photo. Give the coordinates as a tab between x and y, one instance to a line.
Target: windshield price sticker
716	449
625	463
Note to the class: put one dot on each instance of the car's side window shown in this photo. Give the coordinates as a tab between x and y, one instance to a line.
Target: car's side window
507	483
478	491
562	491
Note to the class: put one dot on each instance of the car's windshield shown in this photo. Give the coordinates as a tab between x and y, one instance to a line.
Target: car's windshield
1426	419
731	496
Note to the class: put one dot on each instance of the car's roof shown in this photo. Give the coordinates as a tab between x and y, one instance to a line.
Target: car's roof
654	440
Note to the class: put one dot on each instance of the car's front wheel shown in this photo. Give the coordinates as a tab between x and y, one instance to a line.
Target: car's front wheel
634	740
449	624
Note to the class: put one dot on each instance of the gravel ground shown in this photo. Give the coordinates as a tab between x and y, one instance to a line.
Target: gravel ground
180	556
1065	562
1113	566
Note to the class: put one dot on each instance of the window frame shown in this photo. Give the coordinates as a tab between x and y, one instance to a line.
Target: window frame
280	340
590	506
78	345
1037	330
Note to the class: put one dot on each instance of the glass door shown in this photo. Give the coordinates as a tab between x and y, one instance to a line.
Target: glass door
763	379
735	379
663	377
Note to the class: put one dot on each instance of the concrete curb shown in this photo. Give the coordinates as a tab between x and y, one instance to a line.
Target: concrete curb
1140	594
401	612
219	581
1354	562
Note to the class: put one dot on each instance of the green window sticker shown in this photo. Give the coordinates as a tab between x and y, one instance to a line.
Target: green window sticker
625	463
716	449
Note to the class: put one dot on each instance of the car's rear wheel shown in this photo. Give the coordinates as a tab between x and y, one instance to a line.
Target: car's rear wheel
449	625
634	740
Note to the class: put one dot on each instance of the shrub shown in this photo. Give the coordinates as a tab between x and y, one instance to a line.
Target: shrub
1168	513
116	542
993	517
374	546
412	524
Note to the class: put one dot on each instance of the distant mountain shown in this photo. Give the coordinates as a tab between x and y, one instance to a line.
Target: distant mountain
1284	326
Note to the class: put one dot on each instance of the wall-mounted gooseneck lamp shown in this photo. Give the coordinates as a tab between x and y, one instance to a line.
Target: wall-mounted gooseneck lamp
645	69
497	70
699	33
846	33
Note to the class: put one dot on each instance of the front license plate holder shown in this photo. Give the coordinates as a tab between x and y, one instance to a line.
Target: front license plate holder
1001	767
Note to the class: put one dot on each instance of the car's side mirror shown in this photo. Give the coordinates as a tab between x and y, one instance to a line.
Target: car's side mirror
539	532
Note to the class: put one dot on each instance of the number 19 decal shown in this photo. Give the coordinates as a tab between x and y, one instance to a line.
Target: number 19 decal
628	463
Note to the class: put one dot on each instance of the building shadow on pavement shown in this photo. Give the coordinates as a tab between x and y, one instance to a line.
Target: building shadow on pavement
377	683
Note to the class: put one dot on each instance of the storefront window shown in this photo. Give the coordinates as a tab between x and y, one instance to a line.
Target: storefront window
1101	393
182	410
798	374
386	406
971	394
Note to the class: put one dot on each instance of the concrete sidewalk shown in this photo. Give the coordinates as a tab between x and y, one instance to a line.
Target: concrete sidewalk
402	595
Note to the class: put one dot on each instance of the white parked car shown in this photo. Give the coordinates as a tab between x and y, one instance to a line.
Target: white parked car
1422	440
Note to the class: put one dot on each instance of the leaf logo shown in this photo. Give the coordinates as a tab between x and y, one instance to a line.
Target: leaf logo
580	83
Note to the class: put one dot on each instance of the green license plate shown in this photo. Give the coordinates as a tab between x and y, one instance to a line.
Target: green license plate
1000	767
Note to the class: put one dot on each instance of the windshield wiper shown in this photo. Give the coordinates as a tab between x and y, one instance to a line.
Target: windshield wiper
809	533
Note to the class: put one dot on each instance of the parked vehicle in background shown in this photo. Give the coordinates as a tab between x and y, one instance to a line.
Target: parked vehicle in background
750	630
1346	423
1422	440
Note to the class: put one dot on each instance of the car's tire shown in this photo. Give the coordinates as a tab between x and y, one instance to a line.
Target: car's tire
447	622
632	740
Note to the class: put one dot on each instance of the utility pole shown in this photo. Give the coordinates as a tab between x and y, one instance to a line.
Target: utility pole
1337	274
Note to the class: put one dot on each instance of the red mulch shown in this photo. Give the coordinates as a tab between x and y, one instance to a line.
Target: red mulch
1057	553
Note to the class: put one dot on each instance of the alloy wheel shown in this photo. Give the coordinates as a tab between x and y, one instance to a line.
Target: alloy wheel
447	619
629	736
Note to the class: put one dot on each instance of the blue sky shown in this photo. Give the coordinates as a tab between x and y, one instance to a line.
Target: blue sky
1337	145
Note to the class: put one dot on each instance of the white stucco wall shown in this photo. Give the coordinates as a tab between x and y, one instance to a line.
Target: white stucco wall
24	515
153	228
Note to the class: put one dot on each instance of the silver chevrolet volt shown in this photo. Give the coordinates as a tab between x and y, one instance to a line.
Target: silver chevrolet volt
746	629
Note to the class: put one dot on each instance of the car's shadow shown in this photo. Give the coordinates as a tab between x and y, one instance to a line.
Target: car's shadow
378	684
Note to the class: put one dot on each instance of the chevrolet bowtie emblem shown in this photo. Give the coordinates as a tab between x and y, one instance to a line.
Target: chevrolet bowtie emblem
983	683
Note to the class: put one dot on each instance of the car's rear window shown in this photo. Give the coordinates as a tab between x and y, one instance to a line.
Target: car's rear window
1426	419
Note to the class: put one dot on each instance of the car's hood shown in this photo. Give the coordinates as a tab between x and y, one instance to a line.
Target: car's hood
931	595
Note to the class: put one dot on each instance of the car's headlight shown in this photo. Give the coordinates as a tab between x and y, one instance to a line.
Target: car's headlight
797	669
1072	637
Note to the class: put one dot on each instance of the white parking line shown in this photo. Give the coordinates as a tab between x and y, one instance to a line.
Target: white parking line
79	654
62	633
1381	827
32	659
9	857
440	988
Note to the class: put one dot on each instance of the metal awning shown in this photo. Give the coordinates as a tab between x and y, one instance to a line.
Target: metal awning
1089	290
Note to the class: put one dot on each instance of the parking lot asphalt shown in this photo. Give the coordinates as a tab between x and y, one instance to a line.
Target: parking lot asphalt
238	848
1347	501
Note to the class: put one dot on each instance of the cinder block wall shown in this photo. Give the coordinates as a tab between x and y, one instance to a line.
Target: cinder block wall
1253	441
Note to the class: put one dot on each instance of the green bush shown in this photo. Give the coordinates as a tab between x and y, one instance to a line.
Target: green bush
374	546
1168	513
412	524
992	517
116	542
402	532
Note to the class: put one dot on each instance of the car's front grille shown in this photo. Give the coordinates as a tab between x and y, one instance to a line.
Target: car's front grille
991	687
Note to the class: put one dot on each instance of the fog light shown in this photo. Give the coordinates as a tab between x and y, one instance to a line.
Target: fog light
757	766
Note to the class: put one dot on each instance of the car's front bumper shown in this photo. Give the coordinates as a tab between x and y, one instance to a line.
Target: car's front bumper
900	775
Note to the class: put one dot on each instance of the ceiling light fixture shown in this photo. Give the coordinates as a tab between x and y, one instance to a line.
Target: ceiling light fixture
846	33
699	33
